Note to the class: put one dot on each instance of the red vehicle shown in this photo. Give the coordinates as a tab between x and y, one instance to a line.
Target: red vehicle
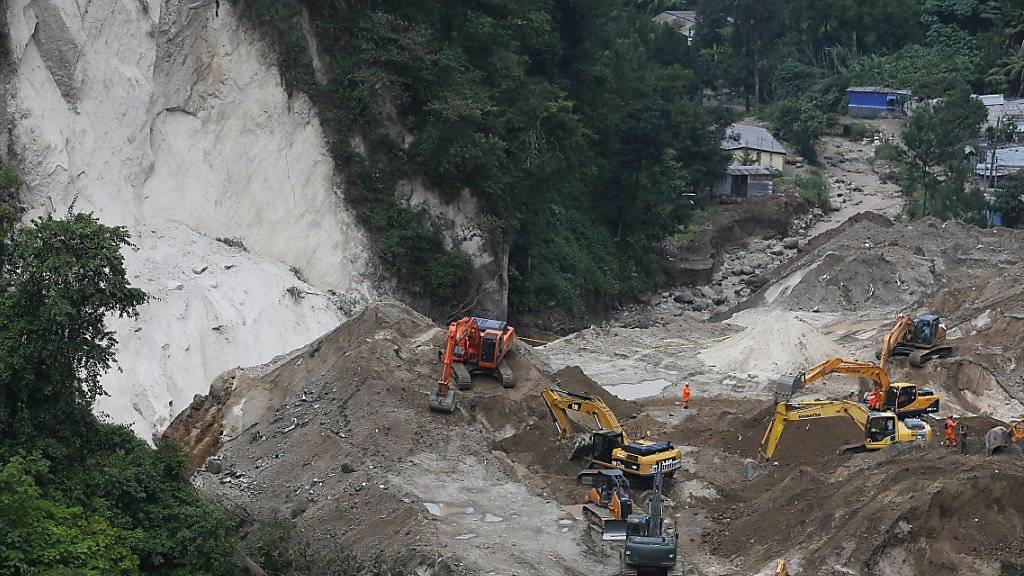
479	345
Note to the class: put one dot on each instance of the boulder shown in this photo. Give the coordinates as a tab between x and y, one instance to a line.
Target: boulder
790	243
684	297
755	281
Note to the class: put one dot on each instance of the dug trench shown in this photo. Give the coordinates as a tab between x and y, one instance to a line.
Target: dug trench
336	438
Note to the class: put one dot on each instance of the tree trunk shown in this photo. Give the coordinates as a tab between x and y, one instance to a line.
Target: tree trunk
757	74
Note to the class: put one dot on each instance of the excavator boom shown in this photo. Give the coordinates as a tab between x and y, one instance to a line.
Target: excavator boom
904	398
609	446
880	428
560	401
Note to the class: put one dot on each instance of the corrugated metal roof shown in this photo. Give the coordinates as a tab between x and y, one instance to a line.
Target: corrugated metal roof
879	89
740	136
749	171
686	15
1008	160
991	99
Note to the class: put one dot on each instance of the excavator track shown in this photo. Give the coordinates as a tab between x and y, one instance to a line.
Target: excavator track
919	358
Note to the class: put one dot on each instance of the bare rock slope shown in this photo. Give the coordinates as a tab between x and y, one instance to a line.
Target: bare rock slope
159	116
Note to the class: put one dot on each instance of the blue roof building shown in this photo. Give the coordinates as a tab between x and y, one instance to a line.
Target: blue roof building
877	102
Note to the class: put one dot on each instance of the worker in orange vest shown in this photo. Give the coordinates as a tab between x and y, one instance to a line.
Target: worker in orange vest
950	431
686	395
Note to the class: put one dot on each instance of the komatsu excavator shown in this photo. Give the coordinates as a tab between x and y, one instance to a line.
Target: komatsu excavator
921	338
903	398
479	345
608	503
881	429
609	446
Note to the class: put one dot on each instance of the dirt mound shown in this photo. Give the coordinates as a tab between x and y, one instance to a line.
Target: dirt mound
869	262
573	379
338	437
773	344
894	512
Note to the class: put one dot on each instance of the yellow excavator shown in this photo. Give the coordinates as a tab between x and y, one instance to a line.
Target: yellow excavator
905	399
920	338
881	429
1004	436
609	446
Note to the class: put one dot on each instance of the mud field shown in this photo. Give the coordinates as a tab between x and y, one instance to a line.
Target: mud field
337	436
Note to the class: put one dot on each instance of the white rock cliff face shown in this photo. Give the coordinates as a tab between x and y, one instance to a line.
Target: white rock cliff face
161	117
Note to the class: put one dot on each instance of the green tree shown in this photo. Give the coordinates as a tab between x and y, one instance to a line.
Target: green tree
41	537
935	137
1010	72
1009	200
59	279
802	123
92	498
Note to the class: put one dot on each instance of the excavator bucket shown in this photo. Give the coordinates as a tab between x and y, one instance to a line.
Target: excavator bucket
445	403
786	387
996	438
580	446
753	468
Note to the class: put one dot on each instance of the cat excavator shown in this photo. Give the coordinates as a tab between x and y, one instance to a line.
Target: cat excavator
903	398
609	446
881	429
608	503
478	345
920	338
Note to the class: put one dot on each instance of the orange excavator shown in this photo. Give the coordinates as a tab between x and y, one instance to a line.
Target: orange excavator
474	346
921	338
903	398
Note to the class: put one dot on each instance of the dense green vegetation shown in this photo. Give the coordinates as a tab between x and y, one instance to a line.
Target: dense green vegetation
795	58
78	496
575	124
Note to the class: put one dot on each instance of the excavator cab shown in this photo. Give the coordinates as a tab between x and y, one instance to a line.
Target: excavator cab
908	400
490	341
880	428
926	329
604	442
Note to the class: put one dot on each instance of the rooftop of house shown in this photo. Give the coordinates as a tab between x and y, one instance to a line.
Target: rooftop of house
740	136
878	89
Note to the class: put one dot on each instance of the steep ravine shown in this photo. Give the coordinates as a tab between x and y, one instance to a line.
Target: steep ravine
163	118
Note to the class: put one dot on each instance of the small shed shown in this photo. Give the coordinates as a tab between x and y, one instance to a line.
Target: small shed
746	181
752	145
877	102
682	20
1008	161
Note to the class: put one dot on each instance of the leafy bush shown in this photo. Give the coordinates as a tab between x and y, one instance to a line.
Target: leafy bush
860	130
887	152
814	189
802	123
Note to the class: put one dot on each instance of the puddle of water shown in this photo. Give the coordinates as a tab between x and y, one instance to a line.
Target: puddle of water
439	509
644	389
465	536
492	519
